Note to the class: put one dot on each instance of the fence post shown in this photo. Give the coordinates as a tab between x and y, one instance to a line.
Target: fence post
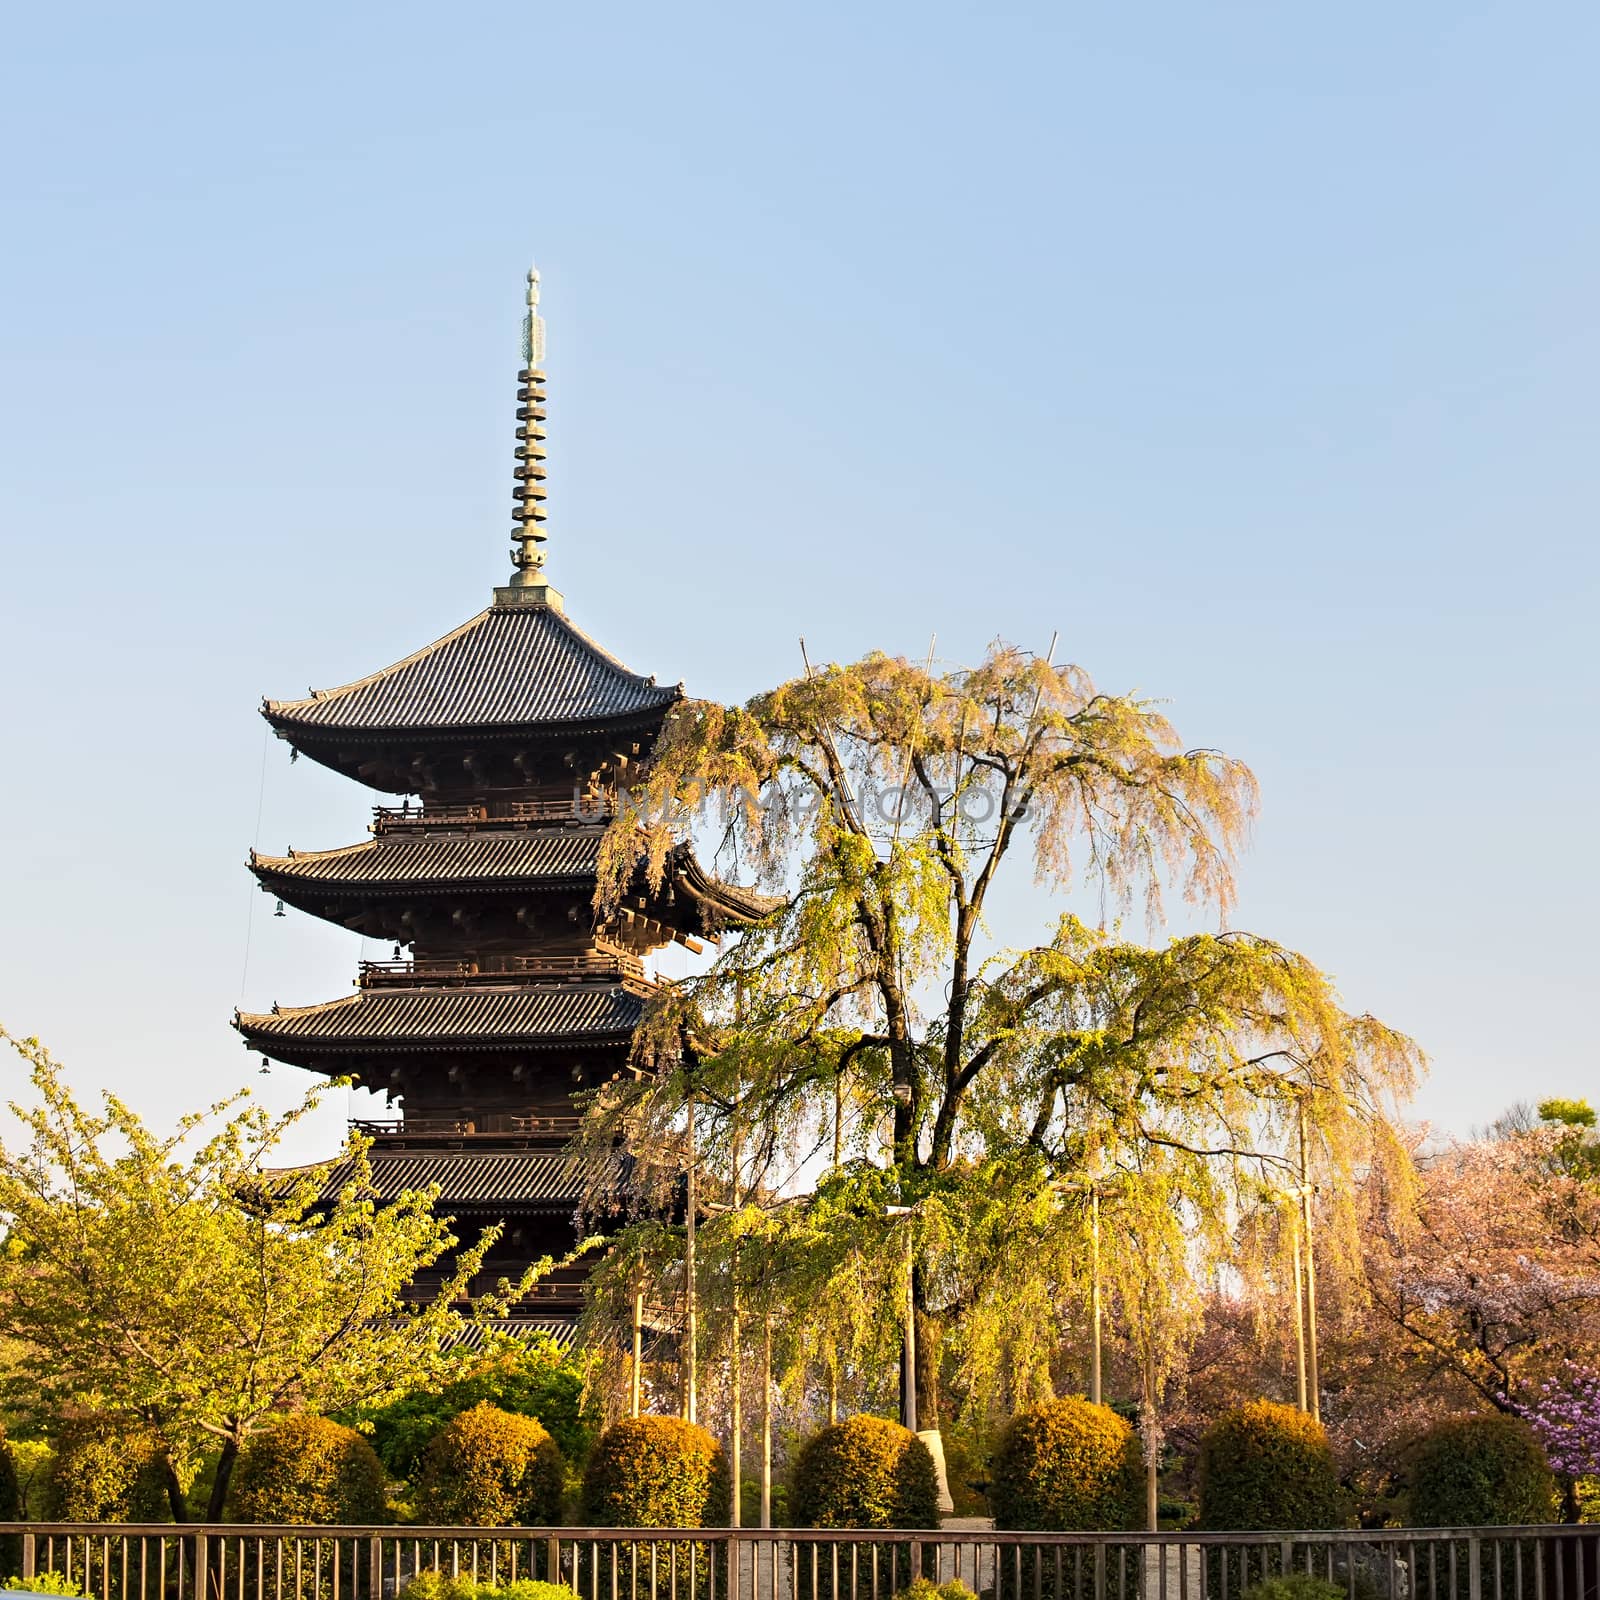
1474	1567
201	1580
375	1566
733	1567
30	1557
552	1563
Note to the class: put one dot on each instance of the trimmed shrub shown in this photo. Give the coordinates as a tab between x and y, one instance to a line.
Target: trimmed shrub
1295	1586
491	1468
45	1583
307	1469
1481	1472
107	1470
536	1380
864	1472
656	1472
433	1585
1268	1466
1068	1465
927	1589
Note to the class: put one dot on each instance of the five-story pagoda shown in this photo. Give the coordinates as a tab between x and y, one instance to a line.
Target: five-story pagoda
513	732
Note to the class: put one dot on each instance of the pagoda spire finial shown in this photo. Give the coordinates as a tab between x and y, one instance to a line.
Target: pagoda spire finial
528	585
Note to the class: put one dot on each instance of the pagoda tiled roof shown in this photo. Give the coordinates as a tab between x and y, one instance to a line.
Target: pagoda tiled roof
509	667
470	1176
446	859
415	863
489	1018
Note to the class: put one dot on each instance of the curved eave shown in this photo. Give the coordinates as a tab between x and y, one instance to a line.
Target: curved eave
512	671
722	904
306	735
277	876
385	1024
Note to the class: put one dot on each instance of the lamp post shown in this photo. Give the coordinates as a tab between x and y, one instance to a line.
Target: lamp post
908	1343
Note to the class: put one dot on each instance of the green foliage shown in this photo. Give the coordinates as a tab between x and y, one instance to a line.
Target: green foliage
1573	1113
304	1468
33	1461
1268	1466
656	1472
10	1484
433	1585
107	1469
166	1275
491	1468
1480	1472
750	1504
1295	1586
45	1583
865	1472
1003	1078
530	1379
1067	1465
927	1589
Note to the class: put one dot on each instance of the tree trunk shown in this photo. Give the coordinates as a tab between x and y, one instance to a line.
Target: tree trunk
177	1500
219	1484
1570	1511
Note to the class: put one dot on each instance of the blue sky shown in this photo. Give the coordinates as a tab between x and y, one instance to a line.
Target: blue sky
1252	347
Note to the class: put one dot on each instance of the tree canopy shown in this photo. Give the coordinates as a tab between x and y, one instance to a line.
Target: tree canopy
871	1023
178	1282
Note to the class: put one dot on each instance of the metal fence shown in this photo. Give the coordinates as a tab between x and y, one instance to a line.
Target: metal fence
161	1561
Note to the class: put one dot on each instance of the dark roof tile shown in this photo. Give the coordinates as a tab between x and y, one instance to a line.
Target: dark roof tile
508	667
424	1018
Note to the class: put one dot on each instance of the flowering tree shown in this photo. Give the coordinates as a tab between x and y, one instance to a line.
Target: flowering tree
1497	1278
1565	1413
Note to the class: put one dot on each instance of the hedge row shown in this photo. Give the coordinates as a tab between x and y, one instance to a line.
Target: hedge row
1067	1464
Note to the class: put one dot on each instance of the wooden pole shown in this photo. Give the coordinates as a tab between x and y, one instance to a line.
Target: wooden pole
1094	1292
638	1353
908	1380
691	1399
1299	1311
735	1364
1313	1369
766	1421
1152	1451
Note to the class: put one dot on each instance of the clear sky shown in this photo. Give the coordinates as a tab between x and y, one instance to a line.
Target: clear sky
1251	346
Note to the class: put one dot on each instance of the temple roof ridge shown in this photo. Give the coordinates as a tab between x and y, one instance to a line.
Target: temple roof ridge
511	665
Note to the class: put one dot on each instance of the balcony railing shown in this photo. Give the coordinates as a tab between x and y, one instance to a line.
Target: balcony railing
451	971
569	807
199	1561
562	1125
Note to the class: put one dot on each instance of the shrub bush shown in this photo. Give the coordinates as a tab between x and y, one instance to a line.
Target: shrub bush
1068	1465
307	1469
107	1470
1295	1586
927	1589
1268	1466
656	1472
432	1585
533	1380
864	1472
491	1468
1478	1472
44	1583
